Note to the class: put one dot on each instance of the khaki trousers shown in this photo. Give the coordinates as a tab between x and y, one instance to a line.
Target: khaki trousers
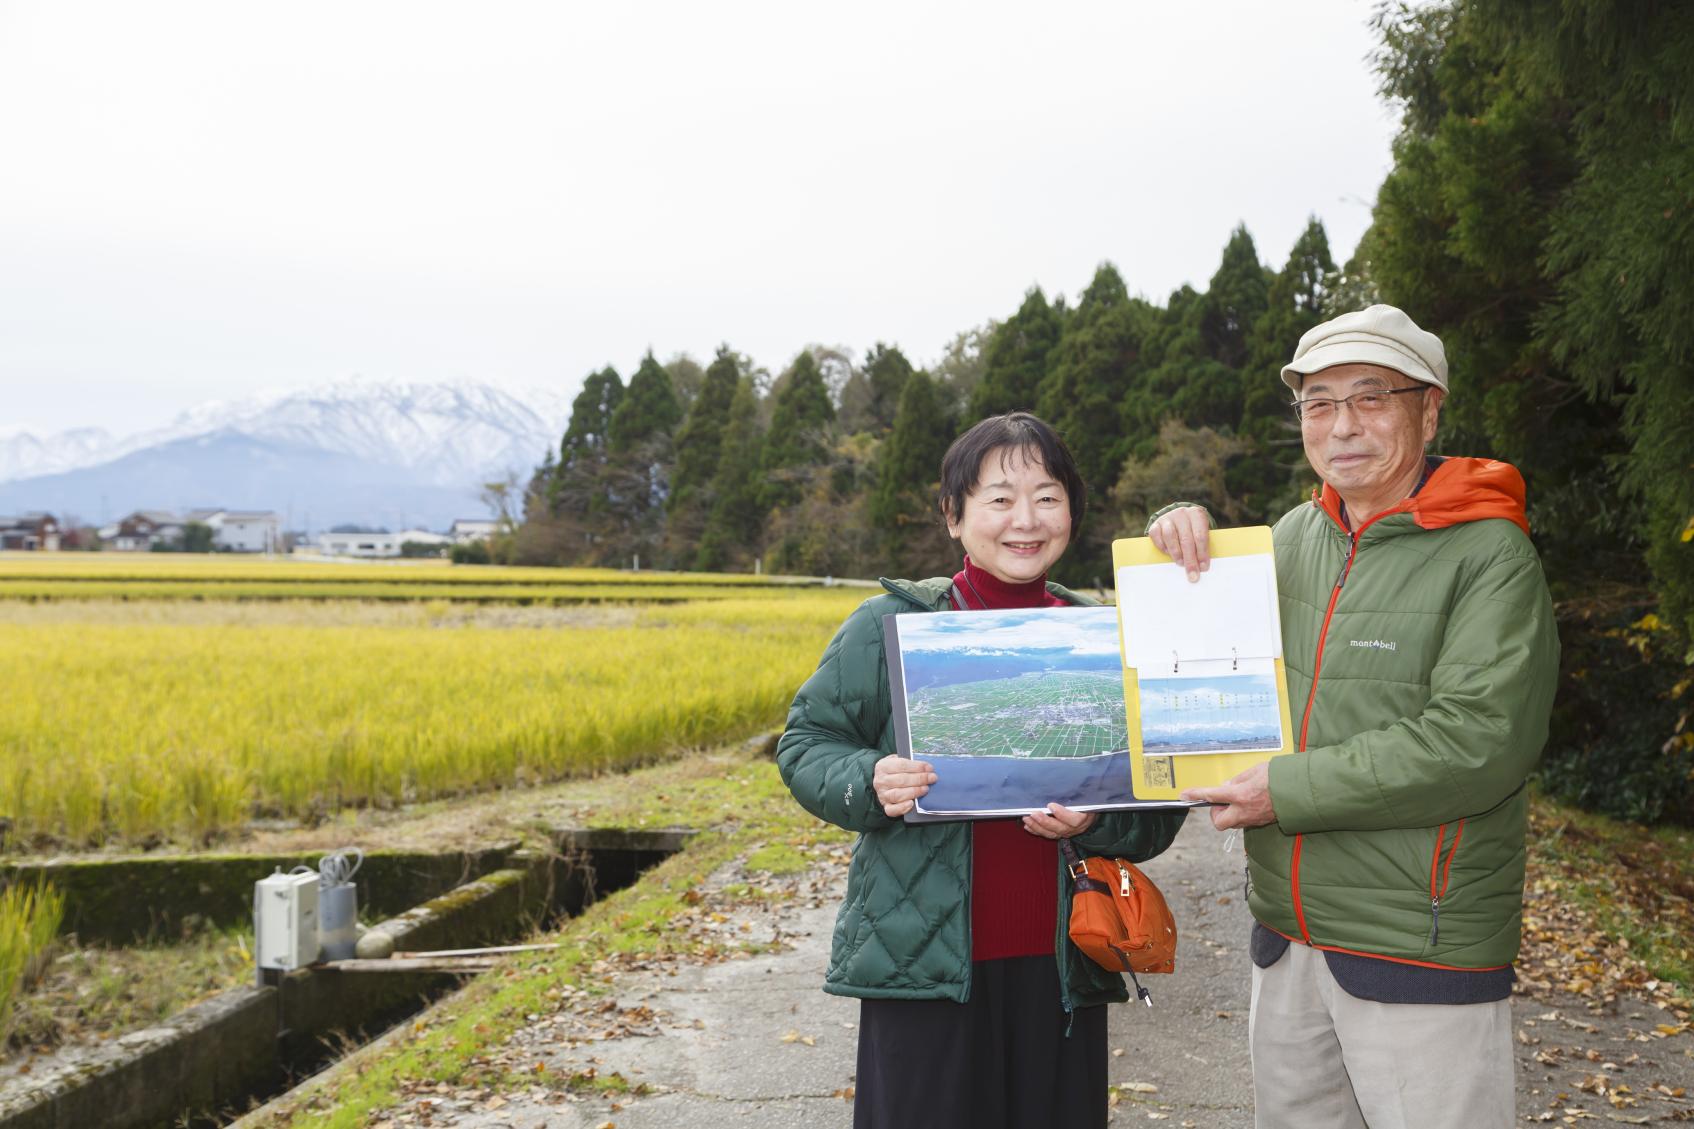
1325	1060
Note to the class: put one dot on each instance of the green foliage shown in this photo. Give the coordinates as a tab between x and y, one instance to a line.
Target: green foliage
1540	217
1620	695
1619	241
1235	300
963	364
827	532
1093	367
886	373
470	553
687	378
1180	379
648	408
700	438
1190	464
731	536
196	537
591	417
908	468
1296	301
1015	360
800	410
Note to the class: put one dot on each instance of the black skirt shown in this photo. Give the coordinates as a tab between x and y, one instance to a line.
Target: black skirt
1000	1061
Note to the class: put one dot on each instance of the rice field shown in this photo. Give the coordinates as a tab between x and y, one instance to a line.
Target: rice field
156	719
171	576
544	595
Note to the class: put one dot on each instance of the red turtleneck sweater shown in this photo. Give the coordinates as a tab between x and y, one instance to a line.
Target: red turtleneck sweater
1014	875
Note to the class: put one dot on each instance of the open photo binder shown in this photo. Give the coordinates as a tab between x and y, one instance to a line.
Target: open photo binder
1205	690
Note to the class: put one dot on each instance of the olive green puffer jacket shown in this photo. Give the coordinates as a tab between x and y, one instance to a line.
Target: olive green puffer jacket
904	928
1421	656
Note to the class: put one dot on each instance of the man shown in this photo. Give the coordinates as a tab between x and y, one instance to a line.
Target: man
1386	855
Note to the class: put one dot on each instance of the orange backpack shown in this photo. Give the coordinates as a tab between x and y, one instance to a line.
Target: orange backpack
1119	918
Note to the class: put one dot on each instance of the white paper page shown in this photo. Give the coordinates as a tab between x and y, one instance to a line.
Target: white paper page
1230	612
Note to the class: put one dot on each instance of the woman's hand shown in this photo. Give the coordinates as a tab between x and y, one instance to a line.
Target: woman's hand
1184	535
1058	822
899	782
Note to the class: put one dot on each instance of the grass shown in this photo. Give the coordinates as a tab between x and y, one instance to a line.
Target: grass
106	992
1610	904
29	919
145	728
777	858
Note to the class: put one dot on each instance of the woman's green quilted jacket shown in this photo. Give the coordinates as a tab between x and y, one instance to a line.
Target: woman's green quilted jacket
904	928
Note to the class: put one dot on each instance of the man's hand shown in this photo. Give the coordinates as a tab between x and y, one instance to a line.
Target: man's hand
1184	535
1058	822
899	782
1246	798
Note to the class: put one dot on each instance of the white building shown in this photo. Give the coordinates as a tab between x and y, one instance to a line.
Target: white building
468	529
376	544
244	531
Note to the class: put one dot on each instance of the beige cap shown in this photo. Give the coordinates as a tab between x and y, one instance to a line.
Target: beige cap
1376	335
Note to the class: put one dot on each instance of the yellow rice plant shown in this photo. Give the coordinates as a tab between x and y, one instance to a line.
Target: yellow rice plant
382	588
29	920
144	729
214	567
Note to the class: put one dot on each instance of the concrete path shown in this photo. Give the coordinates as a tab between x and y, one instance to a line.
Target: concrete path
754	1043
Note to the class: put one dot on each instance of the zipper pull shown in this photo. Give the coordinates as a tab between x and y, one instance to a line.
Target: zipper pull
1435	919
1246	882
1124	884
1352	547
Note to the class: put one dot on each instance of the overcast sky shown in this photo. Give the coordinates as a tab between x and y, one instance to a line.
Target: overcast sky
205	200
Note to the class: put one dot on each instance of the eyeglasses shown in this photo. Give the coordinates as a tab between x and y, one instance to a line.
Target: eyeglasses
1320	408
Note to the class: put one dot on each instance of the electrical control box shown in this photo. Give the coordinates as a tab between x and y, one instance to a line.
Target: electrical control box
285	920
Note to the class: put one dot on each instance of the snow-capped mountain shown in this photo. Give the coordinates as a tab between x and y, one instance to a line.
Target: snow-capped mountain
23	454
335	451
447	432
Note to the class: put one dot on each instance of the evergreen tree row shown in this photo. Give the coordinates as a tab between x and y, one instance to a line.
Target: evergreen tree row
831	467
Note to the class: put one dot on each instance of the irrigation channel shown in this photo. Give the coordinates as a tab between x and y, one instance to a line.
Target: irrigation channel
205	1065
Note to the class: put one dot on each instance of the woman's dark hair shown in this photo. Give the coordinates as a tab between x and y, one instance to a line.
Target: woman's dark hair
1024	432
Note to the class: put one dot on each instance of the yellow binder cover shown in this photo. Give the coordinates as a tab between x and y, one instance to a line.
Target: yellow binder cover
1204	688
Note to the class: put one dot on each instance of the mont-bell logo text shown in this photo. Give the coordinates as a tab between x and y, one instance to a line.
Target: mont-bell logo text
1375	644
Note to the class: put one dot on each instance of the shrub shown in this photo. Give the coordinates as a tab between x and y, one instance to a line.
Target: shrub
1620	740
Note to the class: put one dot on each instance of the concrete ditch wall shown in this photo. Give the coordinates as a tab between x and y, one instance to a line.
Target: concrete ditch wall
122	900
217	1054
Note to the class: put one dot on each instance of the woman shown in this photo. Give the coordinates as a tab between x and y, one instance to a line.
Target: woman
976	1009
